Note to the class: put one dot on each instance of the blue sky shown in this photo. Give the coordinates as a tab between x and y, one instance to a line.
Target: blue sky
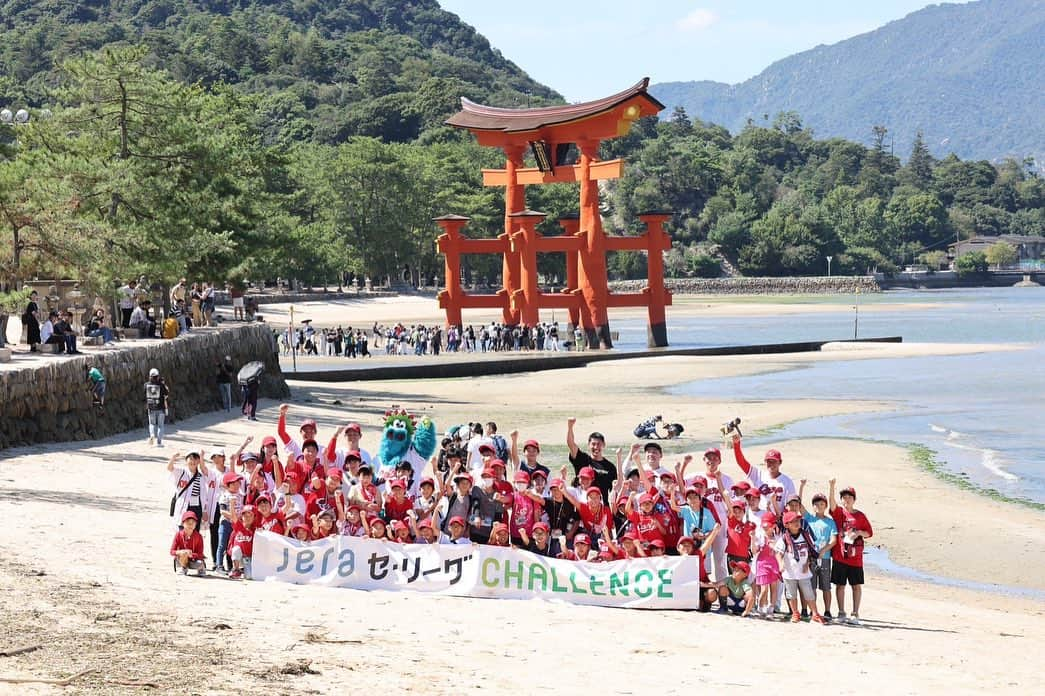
587	49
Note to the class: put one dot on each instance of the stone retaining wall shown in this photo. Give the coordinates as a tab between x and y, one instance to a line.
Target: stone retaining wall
758	286
50	403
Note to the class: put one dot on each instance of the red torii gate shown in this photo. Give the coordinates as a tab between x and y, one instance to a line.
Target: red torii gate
547	132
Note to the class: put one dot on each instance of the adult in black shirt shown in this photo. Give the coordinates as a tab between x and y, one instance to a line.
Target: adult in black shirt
605	470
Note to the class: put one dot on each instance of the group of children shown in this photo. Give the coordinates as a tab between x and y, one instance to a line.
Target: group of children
760	550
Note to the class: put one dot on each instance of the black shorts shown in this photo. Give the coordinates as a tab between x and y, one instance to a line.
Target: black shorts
845	574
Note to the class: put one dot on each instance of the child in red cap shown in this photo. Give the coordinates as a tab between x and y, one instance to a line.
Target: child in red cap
269	520
242	542
187	546
323	524
767	568
740	597
794	549
349	522
457	532
375	527
848	553
581	548
398	503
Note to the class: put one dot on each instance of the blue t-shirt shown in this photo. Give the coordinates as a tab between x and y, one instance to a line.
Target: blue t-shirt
691	521
822	529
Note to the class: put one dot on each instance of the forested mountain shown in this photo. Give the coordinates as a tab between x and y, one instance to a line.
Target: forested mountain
328	69
968	76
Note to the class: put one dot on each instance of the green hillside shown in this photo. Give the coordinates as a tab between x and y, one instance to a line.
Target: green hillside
329	69
968	76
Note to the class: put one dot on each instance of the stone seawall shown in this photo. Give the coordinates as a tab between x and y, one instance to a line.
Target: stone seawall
758	286
50	403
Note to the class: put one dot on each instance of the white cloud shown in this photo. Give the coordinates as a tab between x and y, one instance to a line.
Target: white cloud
697	20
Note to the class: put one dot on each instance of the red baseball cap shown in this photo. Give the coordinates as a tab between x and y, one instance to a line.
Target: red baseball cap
769	520
495	463
742	566
699	481
268	440
669	475
522	477
556	483
753	493
582	539
398	524
773	455
263	497
296	527
397	483
742	486
353	426
488	472
374	519
657	543
456	519
819	496
498	527
231	476
429	480
532	443
425	524
354	506
503	487
541	525
246	509
739	504
607	555
586	472
646	498
713	452
790	517
189	515
486	446
593	489
463	475
307	423
692	490
353	454
334	473
848	490
684	540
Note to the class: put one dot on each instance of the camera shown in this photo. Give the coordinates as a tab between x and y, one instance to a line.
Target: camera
733	425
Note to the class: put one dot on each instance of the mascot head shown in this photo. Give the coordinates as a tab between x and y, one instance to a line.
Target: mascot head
399	427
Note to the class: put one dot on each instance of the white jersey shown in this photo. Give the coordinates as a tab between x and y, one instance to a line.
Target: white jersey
713	494
781	487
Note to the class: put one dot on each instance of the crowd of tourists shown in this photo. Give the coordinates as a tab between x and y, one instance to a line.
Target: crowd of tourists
422	339
763	547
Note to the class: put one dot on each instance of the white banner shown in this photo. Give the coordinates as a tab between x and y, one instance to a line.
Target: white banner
668	582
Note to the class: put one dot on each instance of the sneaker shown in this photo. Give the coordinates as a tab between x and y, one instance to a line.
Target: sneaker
842	617
796	618
818	619
184	571
201	573
854	620
827	615
236	574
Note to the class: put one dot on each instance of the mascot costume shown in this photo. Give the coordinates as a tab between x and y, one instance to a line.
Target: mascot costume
404	439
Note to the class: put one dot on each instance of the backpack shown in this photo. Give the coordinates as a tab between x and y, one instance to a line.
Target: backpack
170	327
501	447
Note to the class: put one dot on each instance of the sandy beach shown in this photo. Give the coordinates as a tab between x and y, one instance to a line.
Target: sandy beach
85	569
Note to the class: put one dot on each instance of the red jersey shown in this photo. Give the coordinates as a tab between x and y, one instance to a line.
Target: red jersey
243	538
396	510
525	513
850	554
317	502
193	543
646	527
668	519
738	542
274	523
594	522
